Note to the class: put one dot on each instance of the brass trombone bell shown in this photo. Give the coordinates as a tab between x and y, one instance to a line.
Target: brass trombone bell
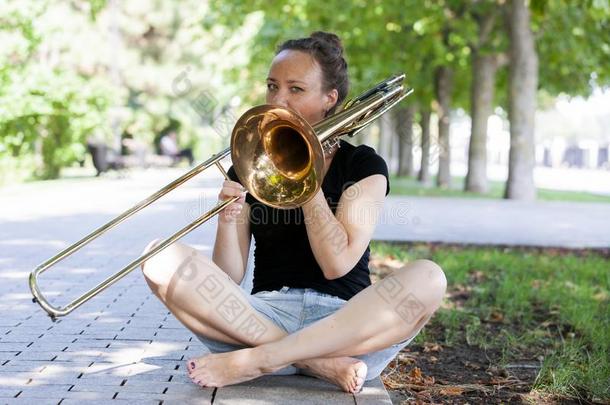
277	156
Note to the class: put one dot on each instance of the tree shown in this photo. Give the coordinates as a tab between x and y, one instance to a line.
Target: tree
424	171
404	128
443	81
65	81
486	57
48	110
523	83
573	46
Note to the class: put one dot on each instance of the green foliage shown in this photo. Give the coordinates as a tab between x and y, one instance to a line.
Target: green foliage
380	37
102	68
574	47
141	65
47	111
54	111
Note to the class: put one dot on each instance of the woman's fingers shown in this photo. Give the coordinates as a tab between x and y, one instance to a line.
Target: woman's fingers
229	190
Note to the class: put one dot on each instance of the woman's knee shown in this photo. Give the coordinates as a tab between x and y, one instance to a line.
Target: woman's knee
436	281
429	280
160	268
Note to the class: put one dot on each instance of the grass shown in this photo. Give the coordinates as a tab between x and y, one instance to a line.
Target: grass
410	186
552	302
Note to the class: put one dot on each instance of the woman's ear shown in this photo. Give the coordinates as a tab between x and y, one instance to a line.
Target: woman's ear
331	99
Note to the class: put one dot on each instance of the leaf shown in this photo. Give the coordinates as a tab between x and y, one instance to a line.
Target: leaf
406	358
451	391
415	376
496	316
432	347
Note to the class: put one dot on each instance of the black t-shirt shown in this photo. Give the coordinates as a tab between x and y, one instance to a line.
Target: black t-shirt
282	254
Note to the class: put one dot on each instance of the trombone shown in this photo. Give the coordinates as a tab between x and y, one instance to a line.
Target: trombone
277	156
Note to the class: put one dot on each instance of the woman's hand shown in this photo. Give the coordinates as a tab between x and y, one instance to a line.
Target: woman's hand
231	189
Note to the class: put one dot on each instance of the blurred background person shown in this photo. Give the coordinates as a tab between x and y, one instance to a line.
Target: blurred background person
169	147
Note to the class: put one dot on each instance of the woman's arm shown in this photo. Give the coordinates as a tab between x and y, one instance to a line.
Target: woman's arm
339	241
232	243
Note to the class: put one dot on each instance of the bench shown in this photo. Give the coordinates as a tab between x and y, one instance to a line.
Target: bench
105	159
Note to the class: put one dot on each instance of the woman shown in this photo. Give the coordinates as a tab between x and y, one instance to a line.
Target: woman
313	309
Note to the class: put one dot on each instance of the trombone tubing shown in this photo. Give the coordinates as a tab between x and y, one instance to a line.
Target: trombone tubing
58	311
361	111
334	126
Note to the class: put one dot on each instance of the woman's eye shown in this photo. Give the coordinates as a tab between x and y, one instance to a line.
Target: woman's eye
271	86
296	89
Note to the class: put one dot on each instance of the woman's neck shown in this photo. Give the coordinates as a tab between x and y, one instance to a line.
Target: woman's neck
328	159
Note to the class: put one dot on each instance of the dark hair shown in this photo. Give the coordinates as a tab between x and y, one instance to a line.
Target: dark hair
327	50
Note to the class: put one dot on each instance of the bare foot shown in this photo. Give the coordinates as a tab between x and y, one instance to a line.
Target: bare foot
222	369
346	372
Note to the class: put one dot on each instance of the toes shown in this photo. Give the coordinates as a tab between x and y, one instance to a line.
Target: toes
197	379
360	377
361	371
196	363
356	384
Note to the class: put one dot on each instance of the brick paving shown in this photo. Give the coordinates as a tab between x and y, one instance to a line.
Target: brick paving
123	346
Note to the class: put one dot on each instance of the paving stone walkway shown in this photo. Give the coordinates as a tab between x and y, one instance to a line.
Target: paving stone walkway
124	346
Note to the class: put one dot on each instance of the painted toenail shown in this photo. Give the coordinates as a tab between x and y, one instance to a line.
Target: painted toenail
192	364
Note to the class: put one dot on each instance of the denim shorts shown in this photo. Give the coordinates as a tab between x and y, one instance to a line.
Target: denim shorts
295	308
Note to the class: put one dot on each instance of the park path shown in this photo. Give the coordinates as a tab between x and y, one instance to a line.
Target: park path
123	346
496	222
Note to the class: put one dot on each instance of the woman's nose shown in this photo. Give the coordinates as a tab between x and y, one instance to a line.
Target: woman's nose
280	99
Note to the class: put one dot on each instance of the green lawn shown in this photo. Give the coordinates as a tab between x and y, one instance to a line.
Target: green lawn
552	304
410	186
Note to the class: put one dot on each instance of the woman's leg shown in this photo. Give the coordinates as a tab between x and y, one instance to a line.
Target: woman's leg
383	314
204	298
209	303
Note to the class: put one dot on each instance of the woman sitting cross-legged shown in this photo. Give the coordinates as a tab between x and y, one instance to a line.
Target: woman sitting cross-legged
313	309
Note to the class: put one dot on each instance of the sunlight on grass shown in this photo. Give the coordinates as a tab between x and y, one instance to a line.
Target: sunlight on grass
401	186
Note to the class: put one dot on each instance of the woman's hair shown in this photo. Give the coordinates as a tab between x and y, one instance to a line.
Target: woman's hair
327	50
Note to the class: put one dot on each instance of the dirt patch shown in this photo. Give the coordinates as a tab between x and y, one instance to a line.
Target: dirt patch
460	373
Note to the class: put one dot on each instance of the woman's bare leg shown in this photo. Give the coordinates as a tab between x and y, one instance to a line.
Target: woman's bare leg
208	302
383	314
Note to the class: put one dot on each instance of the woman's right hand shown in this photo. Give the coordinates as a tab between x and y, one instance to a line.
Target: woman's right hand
231	189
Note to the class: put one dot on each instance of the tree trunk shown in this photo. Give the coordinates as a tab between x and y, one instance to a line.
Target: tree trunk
404	129
386	132
523	81
424	168
443	88
482	94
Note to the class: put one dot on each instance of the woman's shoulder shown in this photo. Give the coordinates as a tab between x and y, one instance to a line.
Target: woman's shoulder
355	155
362	161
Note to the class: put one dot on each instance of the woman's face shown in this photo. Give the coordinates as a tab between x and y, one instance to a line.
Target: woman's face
295	81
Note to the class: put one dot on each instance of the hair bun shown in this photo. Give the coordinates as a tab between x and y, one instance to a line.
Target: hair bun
330	39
